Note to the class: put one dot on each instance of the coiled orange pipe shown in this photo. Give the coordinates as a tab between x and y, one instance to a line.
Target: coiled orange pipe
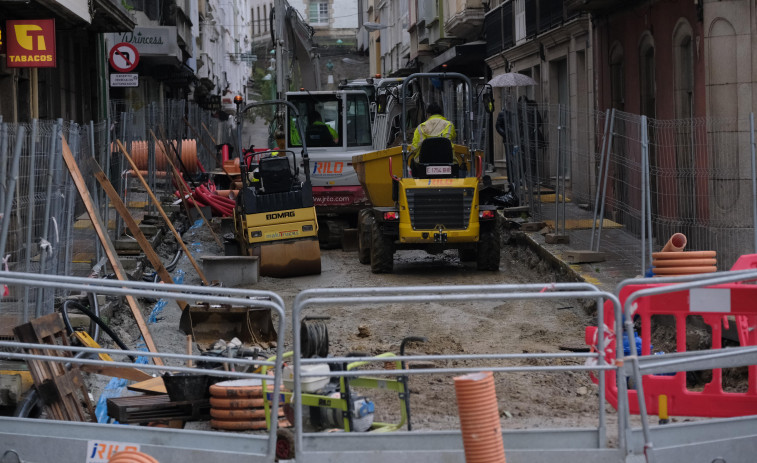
132	456
674	261
188	155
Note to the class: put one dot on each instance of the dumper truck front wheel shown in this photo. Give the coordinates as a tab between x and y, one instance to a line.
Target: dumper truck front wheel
365	221
382	250
488	255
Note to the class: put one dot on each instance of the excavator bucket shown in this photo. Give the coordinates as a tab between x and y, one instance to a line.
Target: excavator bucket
207	323
290	259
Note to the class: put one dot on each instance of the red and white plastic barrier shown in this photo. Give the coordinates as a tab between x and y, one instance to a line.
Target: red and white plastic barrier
714	304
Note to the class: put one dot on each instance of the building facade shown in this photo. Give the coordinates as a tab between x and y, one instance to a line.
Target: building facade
75	88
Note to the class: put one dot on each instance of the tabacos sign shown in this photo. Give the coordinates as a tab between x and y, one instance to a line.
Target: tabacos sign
30	43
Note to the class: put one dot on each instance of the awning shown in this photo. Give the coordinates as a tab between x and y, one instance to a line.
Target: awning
466	58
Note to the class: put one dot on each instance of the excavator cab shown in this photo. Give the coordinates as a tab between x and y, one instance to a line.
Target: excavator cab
274	217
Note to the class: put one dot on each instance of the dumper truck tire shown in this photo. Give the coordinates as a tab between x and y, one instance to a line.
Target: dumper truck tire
489	250
365	221
382	251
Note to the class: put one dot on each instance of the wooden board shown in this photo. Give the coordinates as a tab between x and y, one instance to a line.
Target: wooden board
117	371
584	224
150	386
110	251
163	213
134	228
63	391
184	190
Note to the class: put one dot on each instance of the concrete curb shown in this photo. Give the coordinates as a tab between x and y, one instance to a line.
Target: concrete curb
525	239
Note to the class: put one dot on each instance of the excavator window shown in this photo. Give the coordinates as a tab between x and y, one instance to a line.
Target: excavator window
358	121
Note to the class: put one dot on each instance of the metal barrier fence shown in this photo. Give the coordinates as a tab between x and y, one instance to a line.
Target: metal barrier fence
34	439
44	226
415	446
707	440
646	178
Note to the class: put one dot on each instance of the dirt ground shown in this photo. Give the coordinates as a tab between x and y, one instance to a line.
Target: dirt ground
526	399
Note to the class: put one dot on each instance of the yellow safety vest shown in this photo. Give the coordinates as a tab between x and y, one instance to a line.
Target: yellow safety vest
333	132
294	134
434	126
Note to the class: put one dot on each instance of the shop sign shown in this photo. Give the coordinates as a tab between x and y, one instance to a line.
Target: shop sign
150	41
30	43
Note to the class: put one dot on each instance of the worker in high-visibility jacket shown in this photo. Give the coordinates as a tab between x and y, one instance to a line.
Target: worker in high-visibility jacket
294	134
315	119
435	126
281	143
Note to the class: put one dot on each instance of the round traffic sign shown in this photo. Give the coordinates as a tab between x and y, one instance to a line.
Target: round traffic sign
124	57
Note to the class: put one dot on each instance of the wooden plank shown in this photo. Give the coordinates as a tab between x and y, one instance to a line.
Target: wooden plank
209	134
184	190
117	371
149	386
120	207
62	391
110	251
162	212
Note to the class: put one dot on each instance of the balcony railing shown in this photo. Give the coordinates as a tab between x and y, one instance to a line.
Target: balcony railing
498	29
516	21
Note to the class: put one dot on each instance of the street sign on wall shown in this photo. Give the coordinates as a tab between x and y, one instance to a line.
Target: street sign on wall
124	79
30	43
124	57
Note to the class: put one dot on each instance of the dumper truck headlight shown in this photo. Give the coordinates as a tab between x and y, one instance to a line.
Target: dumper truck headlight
307	228
486	215
391	215
256	234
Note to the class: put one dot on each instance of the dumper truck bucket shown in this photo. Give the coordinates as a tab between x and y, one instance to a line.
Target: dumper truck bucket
207	323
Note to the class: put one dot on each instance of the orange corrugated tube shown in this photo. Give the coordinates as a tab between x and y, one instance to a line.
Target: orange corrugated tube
479	418
676	243
674	261
188	155
132	456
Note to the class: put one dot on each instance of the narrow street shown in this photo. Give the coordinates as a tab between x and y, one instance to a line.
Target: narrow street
474	327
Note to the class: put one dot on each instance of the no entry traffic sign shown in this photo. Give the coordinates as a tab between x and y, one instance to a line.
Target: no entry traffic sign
124	57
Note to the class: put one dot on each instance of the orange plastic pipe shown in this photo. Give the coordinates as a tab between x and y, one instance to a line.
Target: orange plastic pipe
683	270
188	155
479	418
132	456
684	255
684	262
676	243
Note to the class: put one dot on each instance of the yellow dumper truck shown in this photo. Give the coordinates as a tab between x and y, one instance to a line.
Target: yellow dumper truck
433	204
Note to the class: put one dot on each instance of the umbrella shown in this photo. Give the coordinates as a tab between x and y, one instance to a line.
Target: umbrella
511	79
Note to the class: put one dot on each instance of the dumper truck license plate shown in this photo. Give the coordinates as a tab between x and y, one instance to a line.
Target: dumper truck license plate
438	170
